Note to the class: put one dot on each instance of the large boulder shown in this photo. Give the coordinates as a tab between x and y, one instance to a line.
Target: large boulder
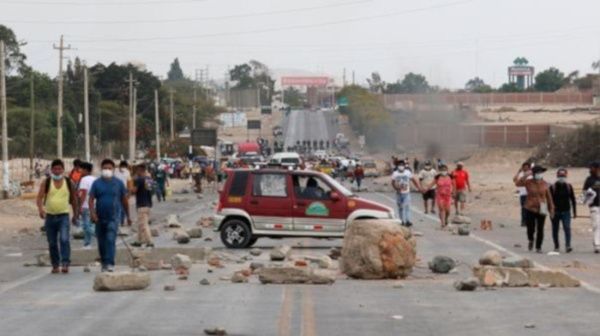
461	220
491	257
378	249
280	253
441	264
466	285
121	281
294	275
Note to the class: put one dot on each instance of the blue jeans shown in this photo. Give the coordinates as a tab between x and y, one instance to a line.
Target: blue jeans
106	232
87	227
522	200
358	181
160	192
403	201
57	233
565	218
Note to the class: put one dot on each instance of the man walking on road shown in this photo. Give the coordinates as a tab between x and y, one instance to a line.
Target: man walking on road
427	177
359	175
54	197
84	190
564	199
107	195
539	204
461	185
525	168
161	182
401	180
592	187
142	188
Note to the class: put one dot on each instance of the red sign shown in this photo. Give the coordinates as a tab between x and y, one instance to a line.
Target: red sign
305	81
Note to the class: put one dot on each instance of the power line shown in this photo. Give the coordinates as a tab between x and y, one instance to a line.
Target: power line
100	3
182	20
278	29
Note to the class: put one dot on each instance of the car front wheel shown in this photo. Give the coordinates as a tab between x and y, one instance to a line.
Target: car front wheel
236	233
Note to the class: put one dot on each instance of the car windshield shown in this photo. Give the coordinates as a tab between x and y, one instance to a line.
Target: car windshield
338	186
290	160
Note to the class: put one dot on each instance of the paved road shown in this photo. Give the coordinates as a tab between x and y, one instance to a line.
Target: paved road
305	125
42	304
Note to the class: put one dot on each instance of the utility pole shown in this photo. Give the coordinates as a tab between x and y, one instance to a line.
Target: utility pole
31	126
134	120
344	77
131	122
353	77
59	114
86	115
194	109
156	122
5	171
172	113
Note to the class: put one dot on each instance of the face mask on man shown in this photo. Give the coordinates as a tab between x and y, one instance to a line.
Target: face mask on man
538	176
562	179
401	168
444	173
56	177
107	173
427	167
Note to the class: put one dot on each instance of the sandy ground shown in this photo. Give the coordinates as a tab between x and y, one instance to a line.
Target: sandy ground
540	116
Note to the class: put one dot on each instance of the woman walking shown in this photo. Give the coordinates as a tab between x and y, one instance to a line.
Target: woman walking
538	205
443	196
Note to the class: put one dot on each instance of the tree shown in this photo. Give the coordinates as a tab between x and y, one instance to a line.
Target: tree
521	61
175	73
15	59
376	85
412	83
242	75
254	75
477	85
293	97
510	87
549	80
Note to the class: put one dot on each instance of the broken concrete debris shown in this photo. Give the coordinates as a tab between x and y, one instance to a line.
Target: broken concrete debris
215	331
378	249
204	282
173	221
154	232
121	281
517	262
181	262
195	232
461	220
467	285
491	257
280	253
239	277
295	275
255	252
181	236
169	288
441	264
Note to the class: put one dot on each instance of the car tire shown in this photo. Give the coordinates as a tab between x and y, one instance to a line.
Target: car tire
252	241
236	234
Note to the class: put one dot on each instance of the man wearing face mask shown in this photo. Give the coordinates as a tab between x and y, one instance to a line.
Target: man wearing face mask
592	186
401	180
107	196
427	179
54	197
564	199
538	205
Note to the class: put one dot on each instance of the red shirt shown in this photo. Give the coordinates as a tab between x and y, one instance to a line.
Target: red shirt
461	177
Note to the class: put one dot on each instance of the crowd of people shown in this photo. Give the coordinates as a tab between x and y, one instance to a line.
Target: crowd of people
99	205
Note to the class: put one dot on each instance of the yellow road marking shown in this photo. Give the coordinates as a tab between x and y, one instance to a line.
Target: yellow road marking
308	313
285	316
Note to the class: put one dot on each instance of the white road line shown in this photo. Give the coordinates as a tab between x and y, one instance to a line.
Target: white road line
584	284
24	280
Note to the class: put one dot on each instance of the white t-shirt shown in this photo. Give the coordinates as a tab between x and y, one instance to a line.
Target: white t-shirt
123	176
403	180
427	176
86	184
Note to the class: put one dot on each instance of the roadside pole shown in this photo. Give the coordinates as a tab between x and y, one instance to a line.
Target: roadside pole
32	127
86	115
172	115
59	113
131	127
5	170
134	116
156	122
194	109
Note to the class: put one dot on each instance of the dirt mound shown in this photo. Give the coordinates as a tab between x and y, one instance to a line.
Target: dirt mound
499	157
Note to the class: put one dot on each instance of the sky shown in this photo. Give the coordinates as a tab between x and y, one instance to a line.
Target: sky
448	41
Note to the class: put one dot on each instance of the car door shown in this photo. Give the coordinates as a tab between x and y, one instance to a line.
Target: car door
315	210
270	201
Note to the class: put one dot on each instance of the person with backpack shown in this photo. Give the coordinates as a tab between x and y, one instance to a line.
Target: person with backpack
55	195
143	186
564	200
107	195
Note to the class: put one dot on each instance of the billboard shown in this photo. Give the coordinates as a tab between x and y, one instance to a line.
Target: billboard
305	81
233	119
204	137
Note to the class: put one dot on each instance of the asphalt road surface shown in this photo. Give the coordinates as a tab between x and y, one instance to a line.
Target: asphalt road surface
38	303
306	125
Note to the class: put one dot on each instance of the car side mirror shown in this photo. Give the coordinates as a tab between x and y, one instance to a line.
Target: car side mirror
335	196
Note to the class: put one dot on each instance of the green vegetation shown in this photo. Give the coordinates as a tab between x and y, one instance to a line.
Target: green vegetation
577	148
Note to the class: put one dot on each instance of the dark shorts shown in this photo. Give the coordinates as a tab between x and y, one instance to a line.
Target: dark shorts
429	195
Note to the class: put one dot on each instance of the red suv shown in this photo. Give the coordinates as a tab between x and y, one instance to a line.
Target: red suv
287	203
